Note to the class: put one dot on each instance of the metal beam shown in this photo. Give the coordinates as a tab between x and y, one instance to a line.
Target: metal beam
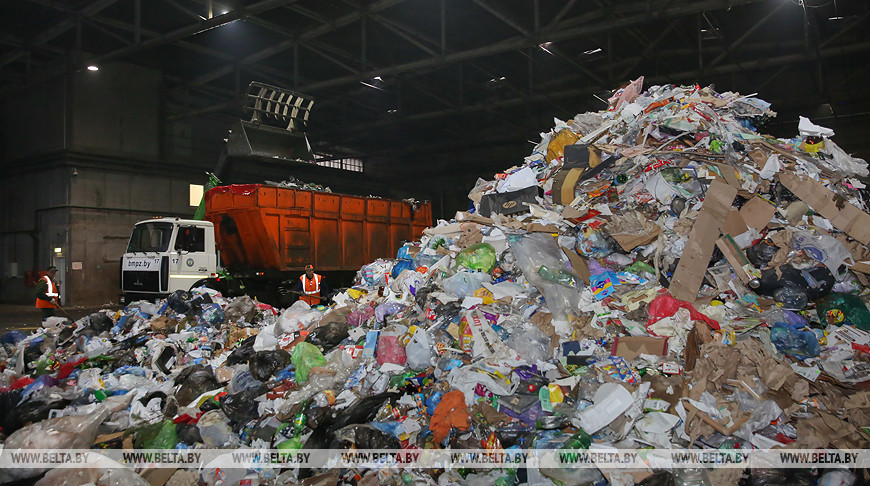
647	50
169	37
513	44
740	40
61	27
307	35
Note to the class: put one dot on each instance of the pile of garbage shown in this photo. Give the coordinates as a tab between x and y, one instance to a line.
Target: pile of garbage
658	275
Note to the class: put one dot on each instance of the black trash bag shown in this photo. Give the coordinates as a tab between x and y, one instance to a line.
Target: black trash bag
177	301
364	436
330	335
195	380
266	363
32	411
241	407
125	358
197	302
65	336
100	322
188	433
361	412
243	353
761	253
8	401
132	342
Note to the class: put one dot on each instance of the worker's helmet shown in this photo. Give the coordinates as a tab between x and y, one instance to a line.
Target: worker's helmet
309	267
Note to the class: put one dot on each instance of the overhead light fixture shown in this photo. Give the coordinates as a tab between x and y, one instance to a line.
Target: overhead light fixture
545	46
592	51
392	111
93	67
837	18
375	83
58	250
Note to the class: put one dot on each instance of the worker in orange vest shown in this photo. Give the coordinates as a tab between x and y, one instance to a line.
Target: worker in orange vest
47	293
312	286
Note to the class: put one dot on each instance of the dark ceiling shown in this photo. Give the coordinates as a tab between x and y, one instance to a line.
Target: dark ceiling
461	84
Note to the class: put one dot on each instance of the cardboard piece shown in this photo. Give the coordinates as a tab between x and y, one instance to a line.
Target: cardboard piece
756	213
564	184
735	257
158	477
734	224
578	266
630	347
630	242
509	202
693	264
729	174
844	216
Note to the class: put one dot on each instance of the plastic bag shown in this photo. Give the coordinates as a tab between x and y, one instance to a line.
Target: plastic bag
477	257
556	147
797	344
844	162
195	380
540	249
241	309
242	380
825	249
100	322
214	429
298	317
241	407
388	309
401	266
69	432
665	306
375	273
530	343
330	335
419	351
266	363
389	350
243	353
305	357
464	284
360	315
836	309
166	438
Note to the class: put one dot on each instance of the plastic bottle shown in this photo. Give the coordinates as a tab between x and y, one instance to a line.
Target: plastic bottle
580	440
558	276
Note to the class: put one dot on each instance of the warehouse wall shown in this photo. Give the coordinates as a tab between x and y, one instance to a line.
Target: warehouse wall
34	223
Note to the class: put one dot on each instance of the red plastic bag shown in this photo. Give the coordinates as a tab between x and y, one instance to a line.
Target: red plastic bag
666	305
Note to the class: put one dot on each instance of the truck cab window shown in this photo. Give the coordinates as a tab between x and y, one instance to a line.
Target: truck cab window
150	237
190	238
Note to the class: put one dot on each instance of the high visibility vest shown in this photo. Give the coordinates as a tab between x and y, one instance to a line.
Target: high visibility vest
51	293
311	289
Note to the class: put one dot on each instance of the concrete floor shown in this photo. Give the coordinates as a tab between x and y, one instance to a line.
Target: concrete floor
28	317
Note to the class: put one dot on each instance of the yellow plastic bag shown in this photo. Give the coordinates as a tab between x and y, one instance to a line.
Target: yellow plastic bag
556	148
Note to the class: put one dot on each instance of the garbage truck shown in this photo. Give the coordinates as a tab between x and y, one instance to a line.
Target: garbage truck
258	238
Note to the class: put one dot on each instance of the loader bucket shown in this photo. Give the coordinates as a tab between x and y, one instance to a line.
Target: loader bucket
254	139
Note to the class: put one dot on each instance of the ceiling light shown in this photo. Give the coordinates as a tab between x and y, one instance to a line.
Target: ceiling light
58	250
392	111
93	67
592	51
837	18
545	46
377	78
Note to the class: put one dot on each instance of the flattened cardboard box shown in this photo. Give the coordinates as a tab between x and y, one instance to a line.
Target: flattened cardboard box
693	264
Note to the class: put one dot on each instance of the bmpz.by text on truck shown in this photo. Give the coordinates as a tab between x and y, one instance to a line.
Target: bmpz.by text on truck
264	235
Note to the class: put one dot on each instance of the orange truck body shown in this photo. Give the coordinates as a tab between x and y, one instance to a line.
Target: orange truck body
270	228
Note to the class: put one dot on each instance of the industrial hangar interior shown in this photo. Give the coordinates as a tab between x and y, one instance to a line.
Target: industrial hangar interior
114	108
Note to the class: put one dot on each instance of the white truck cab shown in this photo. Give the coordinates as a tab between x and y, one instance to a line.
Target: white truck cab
168	254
